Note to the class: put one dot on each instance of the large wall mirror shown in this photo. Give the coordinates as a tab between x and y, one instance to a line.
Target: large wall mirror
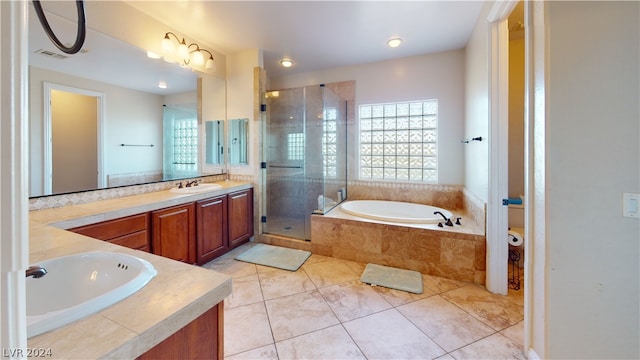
140	132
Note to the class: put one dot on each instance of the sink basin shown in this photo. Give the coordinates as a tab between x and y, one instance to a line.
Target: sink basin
196	189
81	284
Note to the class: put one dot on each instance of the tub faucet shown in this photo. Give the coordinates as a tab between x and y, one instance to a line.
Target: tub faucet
36	272
448	221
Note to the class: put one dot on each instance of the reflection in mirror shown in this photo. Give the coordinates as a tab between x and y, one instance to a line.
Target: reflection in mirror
238	141
214	140
133	105
180	145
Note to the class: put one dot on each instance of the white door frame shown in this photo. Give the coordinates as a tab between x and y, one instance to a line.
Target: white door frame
14	163
497	214
536	72
47	130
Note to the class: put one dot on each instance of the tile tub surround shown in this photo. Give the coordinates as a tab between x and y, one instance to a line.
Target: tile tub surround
176	296
451	252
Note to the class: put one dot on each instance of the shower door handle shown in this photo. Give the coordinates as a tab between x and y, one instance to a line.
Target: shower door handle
286	166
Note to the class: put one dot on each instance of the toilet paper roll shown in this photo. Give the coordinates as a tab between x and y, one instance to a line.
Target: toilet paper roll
515	238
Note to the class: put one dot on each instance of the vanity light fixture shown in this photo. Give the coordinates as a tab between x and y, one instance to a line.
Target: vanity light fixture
190	55
286	63
395	42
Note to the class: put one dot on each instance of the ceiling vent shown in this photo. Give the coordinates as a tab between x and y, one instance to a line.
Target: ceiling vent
50	54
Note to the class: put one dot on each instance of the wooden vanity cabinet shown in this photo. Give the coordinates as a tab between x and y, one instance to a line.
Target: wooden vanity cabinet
131	231
195	233
200	339
174	233
240	210
211	234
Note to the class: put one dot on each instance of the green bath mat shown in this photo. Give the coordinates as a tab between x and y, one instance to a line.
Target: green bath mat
275	256
393	278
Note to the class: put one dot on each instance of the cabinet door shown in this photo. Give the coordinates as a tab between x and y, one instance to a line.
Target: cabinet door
240	217
174	233
200	339
211	234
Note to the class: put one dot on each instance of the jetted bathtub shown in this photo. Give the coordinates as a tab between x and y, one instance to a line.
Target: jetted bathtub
395	211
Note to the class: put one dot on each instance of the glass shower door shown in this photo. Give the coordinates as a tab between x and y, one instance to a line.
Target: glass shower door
305	153
285	163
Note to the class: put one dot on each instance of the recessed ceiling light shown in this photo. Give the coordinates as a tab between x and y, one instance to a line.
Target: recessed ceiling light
153	55
286	63
395	42
162	85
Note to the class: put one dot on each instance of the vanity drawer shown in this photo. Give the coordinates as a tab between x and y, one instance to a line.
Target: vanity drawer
138	240
131	231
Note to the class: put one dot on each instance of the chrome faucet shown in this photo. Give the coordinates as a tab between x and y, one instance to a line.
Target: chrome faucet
36	272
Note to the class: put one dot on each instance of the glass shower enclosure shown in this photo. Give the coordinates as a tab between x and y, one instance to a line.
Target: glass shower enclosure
305	149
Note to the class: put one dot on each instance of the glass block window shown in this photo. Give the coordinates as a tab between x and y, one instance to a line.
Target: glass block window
295	146
398	141
329	142
185	144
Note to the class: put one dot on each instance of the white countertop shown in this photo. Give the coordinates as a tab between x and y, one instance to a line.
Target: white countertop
176	296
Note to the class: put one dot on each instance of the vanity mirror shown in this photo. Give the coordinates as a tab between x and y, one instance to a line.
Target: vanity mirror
214	142
237	139
127	95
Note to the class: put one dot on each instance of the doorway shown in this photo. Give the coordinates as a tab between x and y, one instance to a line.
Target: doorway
73	130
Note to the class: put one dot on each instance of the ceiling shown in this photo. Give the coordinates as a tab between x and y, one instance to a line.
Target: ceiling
319	35
316	35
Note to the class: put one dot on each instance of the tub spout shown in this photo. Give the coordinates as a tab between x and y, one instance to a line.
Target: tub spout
441	214
447	221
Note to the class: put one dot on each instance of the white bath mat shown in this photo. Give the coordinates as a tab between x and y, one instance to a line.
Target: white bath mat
275	256
393	278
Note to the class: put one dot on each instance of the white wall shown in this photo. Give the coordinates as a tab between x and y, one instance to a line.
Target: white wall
593	151
214	108
433	76
476	123
240	103
131	117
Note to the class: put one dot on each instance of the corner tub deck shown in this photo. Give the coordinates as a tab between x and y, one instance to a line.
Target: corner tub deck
457	252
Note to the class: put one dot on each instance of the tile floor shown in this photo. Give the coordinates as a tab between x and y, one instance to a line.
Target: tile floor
322	311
